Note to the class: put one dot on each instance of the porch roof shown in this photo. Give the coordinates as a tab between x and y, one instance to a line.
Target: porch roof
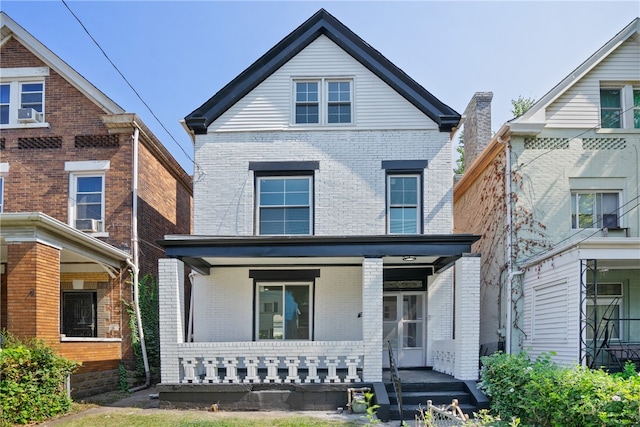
203	252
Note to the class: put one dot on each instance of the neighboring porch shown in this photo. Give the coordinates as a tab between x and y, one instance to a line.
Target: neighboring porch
63	286
234	331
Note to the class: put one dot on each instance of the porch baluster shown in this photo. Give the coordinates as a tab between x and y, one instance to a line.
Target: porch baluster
211	371
189	366
272	363
252	370
312	363
332	366
292	363
231	365
352	369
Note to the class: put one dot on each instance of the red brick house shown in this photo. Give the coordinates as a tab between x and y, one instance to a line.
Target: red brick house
85	191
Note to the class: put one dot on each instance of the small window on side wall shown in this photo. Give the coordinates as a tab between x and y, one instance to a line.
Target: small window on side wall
620	106
595	210
88	202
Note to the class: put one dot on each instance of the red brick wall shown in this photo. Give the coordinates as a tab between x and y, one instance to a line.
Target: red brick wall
33	297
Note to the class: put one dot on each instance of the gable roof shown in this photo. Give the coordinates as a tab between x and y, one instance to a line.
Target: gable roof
631	30
10	29
321	23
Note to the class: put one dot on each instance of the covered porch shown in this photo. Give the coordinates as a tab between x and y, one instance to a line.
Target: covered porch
316	310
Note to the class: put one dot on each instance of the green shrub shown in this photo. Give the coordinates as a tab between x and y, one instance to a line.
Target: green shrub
539	393
32	381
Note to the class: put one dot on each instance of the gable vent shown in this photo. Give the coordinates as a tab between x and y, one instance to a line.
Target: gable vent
97	141
546	143
40	143
604	143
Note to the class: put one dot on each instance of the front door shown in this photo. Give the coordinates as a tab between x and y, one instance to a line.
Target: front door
403	326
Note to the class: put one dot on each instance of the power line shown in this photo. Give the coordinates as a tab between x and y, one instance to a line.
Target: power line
131	86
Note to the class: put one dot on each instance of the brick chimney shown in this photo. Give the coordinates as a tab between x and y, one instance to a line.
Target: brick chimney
477	126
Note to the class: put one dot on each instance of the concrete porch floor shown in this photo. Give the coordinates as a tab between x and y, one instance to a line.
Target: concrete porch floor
419	375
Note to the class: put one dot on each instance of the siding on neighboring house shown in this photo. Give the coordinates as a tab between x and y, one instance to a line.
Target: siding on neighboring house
268	106
551	316
579	107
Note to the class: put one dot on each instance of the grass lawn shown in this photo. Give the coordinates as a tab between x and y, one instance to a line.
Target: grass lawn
193	419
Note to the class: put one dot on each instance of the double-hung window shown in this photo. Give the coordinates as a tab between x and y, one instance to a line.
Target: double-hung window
284	205
595	209
403	203
620	106
87	194
323	101
22	96
284	311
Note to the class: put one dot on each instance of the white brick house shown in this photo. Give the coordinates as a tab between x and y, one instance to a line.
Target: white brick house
561	237
322	225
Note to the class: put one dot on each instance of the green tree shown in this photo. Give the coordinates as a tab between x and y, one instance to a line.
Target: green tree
459	170
521	105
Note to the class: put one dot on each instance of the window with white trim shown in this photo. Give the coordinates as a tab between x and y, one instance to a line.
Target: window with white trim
403	203
21	102
606	310
88	201
283	311
595	209
284	205
323	101
620	106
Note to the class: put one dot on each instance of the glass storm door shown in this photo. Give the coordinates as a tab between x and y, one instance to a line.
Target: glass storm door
403	326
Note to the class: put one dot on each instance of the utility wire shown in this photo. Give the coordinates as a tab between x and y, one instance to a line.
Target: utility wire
597	230
131	86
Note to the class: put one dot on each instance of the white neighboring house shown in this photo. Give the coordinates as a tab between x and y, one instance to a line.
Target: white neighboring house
568	270
322	225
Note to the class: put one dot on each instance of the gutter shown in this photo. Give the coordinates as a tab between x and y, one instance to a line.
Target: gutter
135	265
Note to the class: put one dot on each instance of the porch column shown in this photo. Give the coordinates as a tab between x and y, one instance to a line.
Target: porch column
171	305
372	319
33	291
467	317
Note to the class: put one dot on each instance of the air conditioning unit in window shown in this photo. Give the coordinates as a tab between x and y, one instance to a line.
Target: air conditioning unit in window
90	225
29	115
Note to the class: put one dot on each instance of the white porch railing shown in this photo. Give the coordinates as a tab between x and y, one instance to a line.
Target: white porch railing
444	356
271	362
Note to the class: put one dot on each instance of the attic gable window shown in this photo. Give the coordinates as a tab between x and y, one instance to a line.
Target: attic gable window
22	97
323	101
620	106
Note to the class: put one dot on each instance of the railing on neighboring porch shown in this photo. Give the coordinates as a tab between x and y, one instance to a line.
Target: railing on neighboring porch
271	362
617	352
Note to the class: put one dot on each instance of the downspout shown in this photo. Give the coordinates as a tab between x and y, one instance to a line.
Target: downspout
135	264
191	302
510	264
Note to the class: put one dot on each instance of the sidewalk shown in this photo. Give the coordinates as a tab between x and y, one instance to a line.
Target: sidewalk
146	402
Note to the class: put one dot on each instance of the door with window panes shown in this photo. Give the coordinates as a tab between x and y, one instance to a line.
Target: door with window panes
403	326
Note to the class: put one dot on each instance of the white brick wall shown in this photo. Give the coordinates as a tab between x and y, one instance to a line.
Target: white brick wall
439	313
467	326
350	184
171	307
372	318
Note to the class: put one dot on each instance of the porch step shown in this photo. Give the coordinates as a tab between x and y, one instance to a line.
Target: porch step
440	393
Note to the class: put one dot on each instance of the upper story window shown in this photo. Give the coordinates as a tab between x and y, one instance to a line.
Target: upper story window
87	195
595	210
620	106
284	205
323	101
22	96
403	204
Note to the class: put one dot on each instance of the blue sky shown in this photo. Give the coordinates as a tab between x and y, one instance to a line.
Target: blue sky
177	54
